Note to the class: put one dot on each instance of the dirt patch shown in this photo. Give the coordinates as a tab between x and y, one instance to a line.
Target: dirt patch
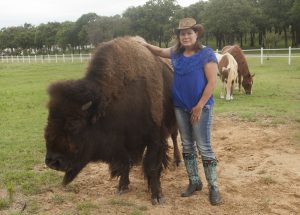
259	173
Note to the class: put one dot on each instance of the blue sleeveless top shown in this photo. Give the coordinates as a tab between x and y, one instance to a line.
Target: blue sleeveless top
189	78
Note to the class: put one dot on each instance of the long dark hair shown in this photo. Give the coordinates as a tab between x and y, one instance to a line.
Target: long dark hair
179	49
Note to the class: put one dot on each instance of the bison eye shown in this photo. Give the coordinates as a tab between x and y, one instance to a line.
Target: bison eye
73	148
74	125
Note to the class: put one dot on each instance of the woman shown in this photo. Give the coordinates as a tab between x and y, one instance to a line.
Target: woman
195	72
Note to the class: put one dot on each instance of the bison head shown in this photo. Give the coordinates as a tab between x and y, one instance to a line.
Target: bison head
72	109
247	83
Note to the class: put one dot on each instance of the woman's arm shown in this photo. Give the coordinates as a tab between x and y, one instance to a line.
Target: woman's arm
210	70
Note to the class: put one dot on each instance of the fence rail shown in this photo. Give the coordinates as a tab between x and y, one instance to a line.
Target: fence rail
46	58
262	53
289	53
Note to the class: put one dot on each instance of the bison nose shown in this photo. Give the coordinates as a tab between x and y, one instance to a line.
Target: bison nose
53	163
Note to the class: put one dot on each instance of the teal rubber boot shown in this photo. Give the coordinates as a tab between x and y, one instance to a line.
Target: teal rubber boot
195	184
210	169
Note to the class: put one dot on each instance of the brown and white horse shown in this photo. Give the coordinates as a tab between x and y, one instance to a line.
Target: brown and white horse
228	72
244	76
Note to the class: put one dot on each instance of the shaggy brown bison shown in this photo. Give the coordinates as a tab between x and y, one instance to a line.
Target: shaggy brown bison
120	113
244	76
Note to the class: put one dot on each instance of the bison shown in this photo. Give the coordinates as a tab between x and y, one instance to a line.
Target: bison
120	113
244	76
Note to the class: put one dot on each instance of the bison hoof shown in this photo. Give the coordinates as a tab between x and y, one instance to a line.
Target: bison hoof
158	200
176	163
122	190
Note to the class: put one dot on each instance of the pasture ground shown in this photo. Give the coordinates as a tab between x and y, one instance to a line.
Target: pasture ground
256	139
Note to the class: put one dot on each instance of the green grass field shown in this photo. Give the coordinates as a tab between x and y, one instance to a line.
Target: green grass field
275	93
23	114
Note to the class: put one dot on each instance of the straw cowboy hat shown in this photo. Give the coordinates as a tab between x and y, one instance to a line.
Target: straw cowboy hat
187	23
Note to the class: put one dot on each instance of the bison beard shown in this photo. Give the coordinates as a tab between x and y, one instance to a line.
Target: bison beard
121	108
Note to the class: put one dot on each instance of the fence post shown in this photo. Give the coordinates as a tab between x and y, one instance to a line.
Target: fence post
261	55
80	58
90	56
42	58
48	58
34	58
64	60
23	58
18	58
290	52
2	58
28	58
55	58
12	59
72	57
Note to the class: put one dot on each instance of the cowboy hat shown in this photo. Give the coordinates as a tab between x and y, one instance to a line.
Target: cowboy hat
187	23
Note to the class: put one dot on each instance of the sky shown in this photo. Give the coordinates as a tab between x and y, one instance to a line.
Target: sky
35	12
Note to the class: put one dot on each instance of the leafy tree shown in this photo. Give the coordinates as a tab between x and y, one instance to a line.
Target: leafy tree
2	44
195	10
120	26
295	20
65	36
152	20
45	36
80	28
272	39
24	37
228	19
100	30
9	38
136	19
277	12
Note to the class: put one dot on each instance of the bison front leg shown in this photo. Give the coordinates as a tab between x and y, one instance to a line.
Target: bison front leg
120	168
124	181
155	156
176	156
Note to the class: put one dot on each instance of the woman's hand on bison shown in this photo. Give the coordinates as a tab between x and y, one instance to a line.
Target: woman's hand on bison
140	40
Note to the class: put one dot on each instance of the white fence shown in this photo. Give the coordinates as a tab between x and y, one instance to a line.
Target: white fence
274	53
263	54
289	53
46	58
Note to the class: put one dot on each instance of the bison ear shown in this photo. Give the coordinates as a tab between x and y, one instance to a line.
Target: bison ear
86	106
253	75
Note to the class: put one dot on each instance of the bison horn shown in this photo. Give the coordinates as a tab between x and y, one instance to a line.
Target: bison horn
86	105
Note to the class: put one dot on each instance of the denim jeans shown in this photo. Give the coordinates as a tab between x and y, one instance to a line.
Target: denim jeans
196	135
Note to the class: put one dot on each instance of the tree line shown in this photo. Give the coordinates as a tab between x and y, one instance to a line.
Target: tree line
251	23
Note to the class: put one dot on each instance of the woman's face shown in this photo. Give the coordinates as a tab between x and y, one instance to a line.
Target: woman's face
188	38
